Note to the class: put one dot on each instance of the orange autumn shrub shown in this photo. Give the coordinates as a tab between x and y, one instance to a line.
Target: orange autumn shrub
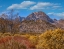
51	40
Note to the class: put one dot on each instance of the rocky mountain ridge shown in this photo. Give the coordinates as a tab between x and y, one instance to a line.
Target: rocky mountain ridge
39	15
37	22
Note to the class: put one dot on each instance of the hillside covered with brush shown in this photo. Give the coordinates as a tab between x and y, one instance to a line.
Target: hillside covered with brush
51	39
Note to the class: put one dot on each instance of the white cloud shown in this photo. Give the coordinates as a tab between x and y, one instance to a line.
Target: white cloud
55	7
35	6
43	5
61	15
22	5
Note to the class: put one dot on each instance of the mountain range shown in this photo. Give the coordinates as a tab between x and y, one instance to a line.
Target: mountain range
36	22
39	22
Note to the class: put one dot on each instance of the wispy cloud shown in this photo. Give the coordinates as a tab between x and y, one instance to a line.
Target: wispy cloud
35	5
22	5
56	7
61	15
44	5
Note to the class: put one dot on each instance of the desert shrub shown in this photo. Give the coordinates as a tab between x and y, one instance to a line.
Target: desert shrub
33	39
16	35
1	35
7	34
12	44
17	45
51	40
22	47
26	35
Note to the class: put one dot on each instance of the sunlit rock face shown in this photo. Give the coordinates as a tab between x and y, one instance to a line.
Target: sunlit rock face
39	15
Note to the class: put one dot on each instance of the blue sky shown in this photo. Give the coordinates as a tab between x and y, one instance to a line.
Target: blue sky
53	8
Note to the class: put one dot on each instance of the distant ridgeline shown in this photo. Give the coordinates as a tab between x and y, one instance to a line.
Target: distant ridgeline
36	22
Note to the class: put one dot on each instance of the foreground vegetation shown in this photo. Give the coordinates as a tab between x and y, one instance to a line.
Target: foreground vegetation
51	39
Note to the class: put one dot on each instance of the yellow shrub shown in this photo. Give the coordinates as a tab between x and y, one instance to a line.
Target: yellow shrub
51	40
33	39
6	34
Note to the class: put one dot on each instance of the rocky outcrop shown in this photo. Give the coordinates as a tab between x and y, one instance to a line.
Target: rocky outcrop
39	15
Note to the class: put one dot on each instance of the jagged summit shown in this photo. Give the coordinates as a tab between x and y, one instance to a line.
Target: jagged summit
39	15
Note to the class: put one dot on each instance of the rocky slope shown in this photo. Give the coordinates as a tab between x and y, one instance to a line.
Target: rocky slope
59	23
37	26
39	22
39	15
